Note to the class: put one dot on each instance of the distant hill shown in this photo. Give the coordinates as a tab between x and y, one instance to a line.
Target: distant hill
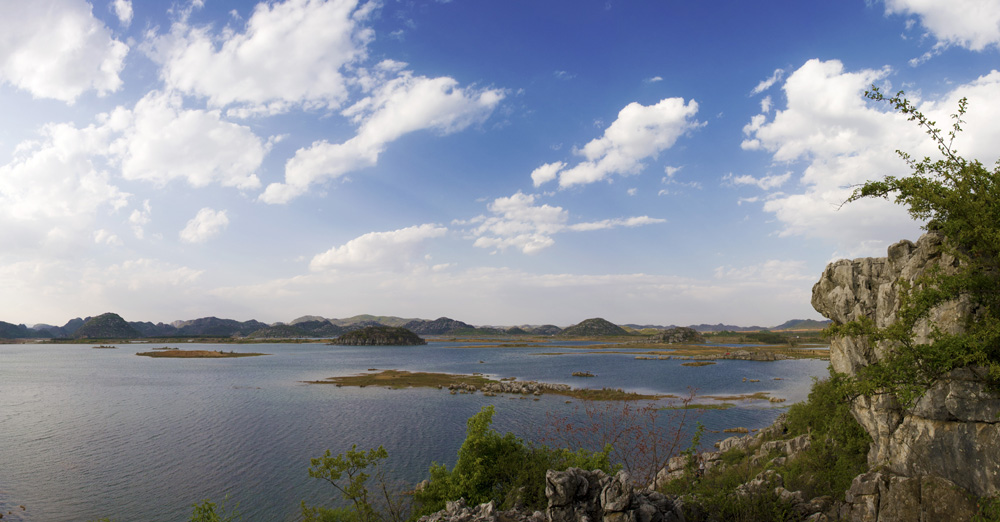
648	326
320	328
380	336
439	326
803	324
307	318
593	327
725	328
387	320
546	329
149	329
281	331
215	327
106	326
20	331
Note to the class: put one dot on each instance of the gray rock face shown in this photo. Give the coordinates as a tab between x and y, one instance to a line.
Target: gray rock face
943	450
576	495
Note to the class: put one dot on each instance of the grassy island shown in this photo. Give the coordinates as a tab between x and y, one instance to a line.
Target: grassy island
457	383
176	353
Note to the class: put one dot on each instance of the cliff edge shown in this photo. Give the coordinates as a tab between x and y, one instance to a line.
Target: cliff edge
929	461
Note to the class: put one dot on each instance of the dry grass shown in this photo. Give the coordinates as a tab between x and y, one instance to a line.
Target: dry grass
397	379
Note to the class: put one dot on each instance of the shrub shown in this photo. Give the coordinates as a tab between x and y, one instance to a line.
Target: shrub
500	468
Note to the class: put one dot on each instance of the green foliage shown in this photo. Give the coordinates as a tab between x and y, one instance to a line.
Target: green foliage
839	448
208	511
349	474
501	468
712	496
989	510
960	199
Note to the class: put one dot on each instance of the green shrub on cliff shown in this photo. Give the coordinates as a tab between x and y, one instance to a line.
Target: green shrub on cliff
839	450
501	468
960	199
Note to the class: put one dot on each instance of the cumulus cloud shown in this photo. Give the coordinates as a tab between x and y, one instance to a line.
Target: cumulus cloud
764	183
288	54
123	10
546	173
972	24
395	249
518	222
401	105
58	49
841	140
639	132
54	187
162	141
205	225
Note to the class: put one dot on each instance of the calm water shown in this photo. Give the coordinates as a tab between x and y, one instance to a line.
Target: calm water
88	433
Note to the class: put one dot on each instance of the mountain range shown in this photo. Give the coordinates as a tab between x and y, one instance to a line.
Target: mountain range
113	326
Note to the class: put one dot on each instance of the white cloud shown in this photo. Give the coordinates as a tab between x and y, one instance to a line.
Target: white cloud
765	183
289	54
57	49
973	24
639	132
546	173
654	79
395	107
764	85
205	225
395	249
106	237
123	10
139	219
765	104
842	140
518	222
605	224
52	190
162	141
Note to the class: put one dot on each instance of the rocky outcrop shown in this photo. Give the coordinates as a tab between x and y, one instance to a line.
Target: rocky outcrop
945	449
576	495
679	334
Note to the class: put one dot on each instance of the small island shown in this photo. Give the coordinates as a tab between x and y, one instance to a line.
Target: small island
195	354
380	336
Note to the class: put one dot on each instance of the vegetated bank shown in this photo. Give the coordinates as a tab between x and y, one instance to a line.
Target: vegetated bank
379	336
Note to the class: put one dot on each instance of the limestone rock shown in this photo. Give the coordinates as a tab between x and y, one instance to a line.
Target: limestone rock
949	440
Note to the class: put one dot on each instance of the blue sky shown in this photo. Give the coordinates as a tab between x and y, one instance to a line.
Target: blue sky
498	162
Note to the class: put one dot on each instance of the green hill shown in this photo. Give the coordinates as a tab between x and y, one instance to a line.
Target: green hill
593	327
106	326
380	336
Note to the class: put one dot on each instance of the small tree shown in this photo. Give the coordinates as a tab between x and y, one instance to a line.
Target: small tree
638	436
356	467
960	199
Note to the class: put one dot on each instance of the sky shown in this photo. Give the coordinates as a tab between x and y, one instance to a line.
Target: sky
499	162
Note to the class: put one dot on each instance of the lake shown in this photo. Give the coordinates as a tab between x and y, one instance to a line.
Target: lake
89	433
